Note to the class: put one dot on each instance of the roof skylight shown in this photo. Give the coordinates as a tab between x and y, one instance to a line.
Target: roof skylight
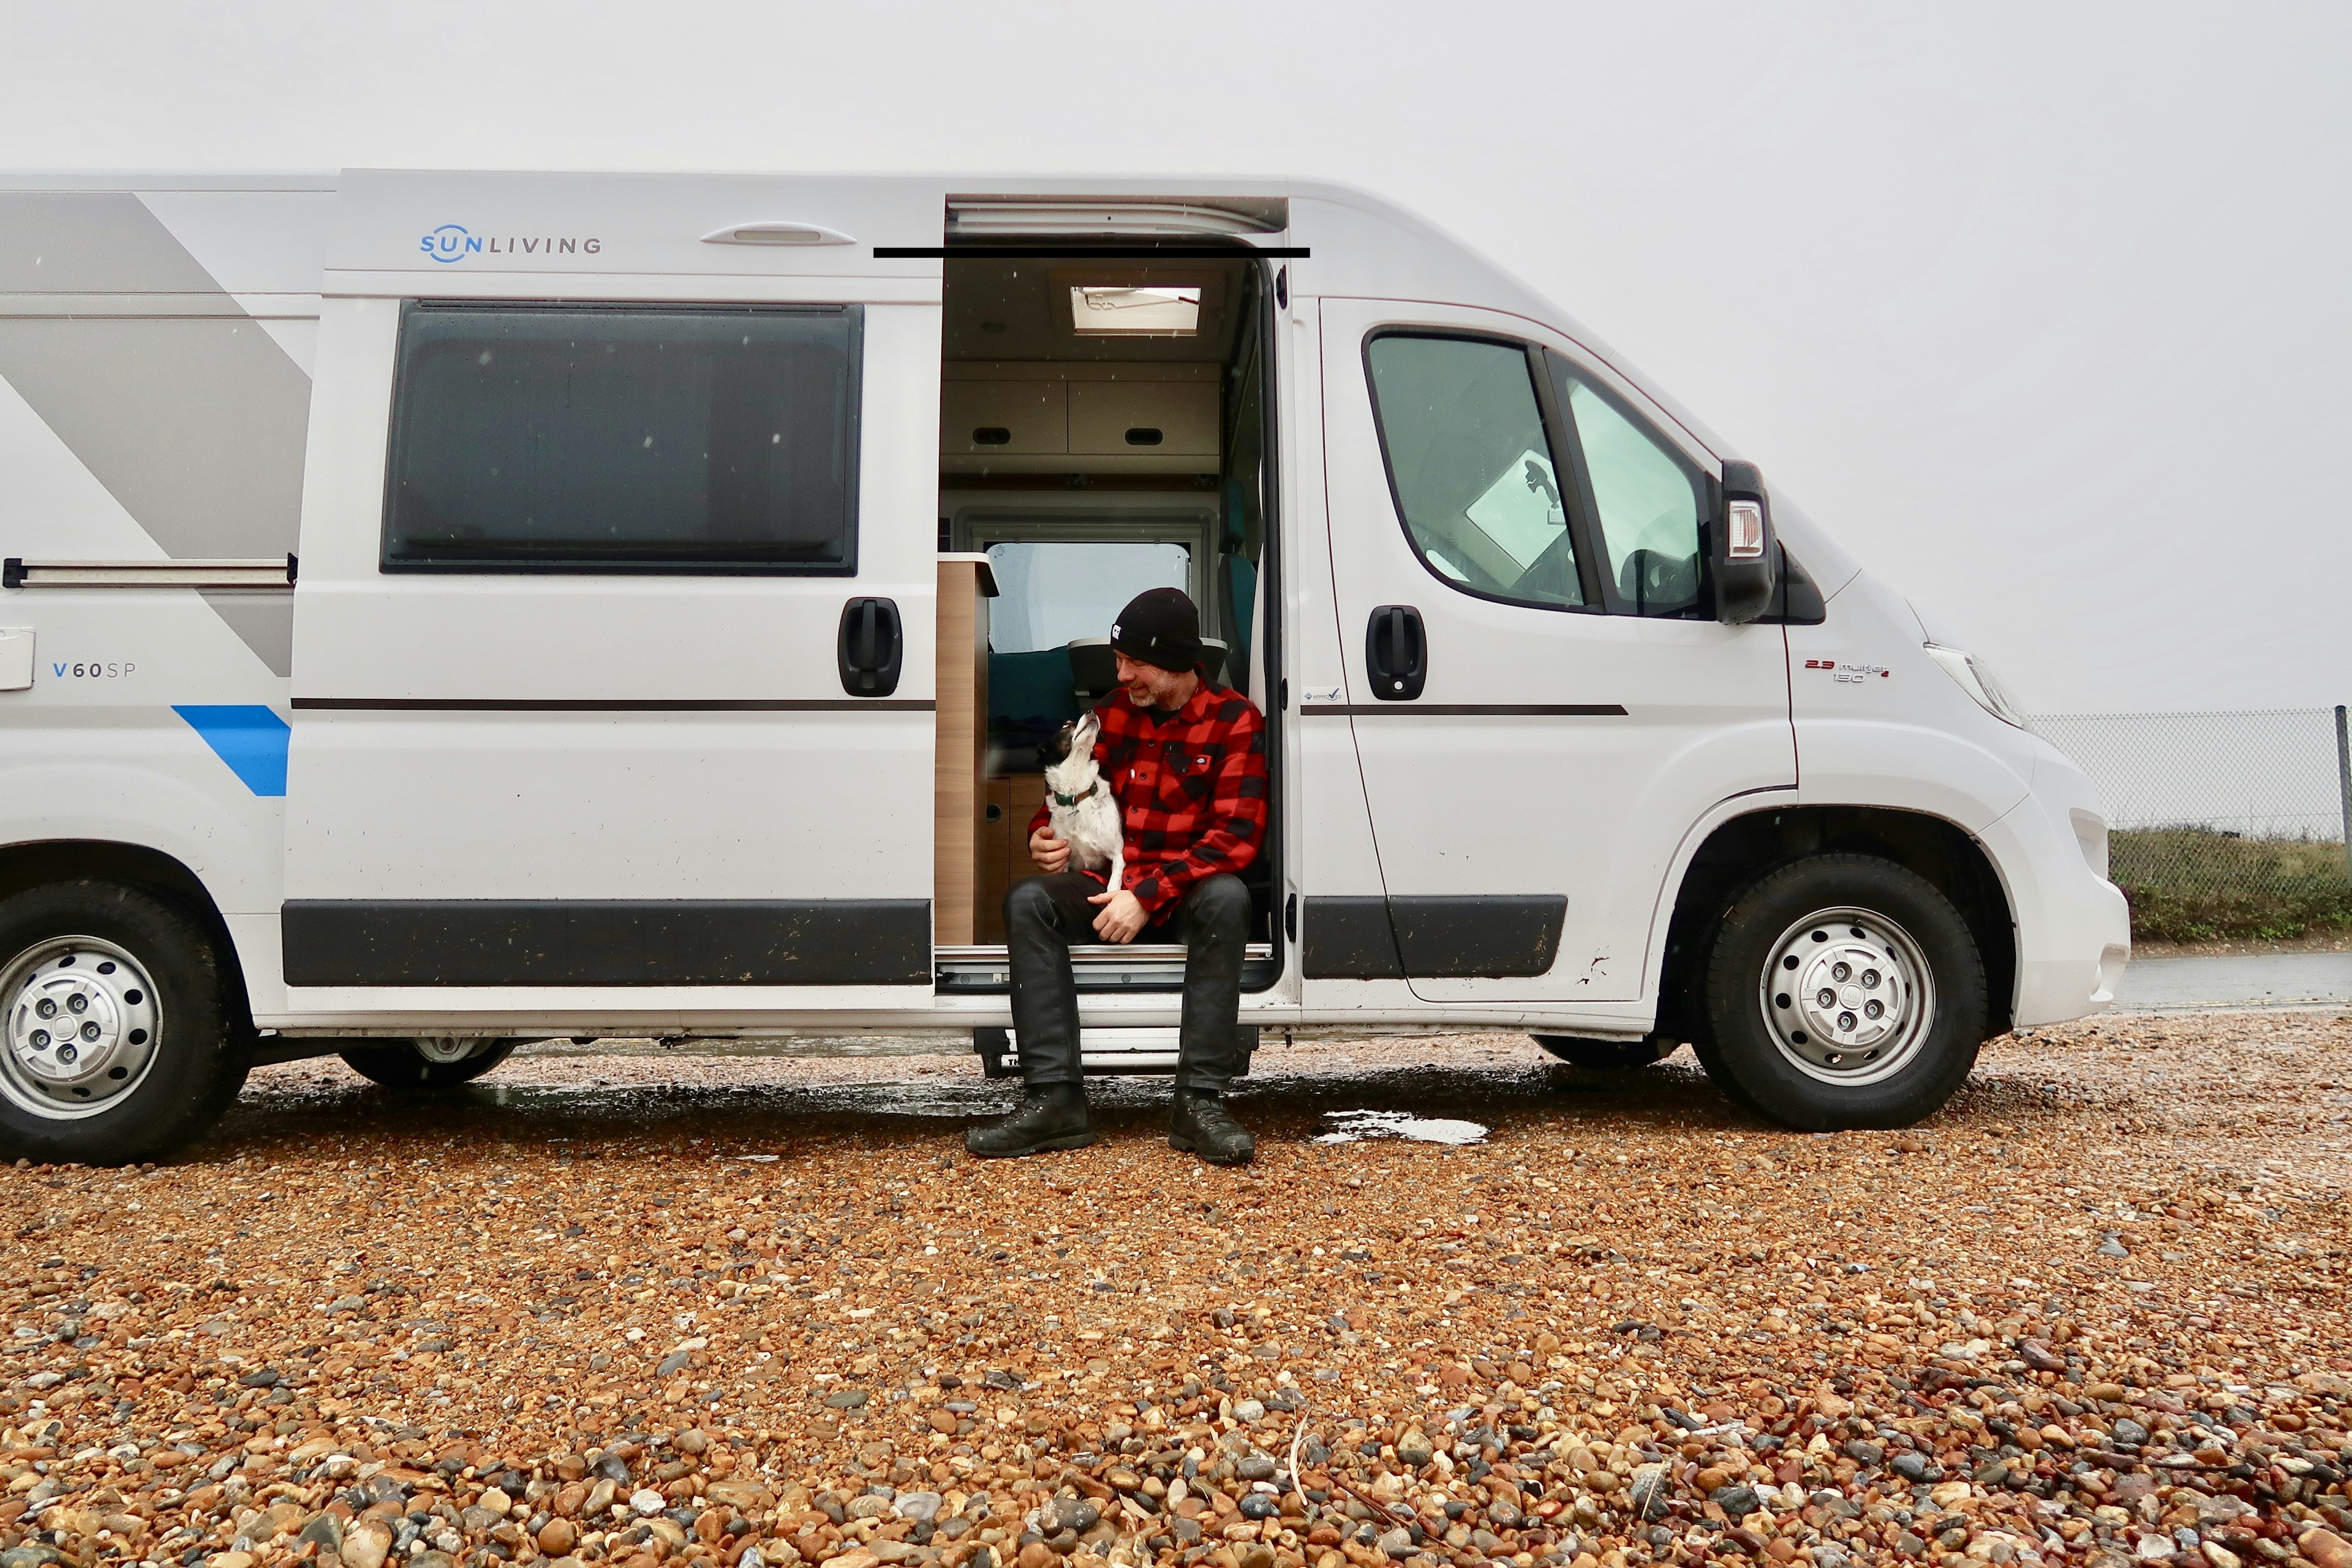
1118	310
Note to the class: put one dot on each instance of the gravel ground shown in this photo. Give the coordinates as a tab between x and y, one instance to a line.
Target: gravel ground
634	1307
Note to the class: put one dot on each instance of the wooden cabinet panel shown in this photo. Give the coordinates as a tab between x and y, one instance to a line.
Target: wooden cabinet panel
961	747
1010	417
1004	846
1104	414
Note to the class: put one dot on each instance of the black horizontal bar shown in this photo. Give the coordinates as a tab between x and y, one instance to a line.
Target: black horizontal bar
609	705
606	941
1180	251
1472	709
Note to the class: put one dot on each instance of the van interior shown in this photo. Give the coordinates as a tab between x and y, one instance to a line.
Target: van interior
1104	429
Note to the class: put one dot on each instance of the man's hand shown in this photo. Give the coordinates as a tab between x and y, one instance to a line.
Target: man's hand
1050	852
1122	916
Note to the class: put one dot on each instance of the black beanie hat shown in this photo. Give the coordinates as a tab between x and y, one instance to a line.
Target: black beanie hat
1159	626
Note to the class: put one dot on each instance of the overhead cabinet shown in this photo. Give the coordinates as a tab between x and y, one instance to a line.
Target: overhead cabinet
1004	418
1145	419
1174	419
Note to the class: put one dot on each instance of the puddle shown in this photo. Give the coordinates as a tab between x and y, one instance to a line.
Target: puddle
1353	1126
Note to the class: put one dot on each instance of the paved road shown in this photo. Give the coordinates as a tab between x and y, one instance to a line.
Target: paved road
2248	980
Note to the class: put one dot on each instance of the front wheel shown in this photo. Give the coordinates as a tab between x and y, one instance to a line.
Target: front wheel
431	1063
1843	991
123	1036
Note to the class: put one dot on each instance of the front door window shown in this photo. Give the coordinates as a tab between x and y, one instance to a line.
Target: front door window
1471	467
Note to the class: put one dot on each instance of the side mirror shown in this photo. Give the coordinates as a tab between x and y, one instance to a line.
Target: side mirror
1746	560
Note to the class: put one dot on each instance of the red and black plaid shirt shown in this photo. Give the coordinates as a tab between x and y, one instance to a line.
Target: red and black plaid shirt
1191	788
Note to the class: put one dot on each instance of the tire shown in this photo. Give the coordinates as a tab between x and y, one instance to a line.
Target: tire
171	1046
1606	1056
1864	933
410	1064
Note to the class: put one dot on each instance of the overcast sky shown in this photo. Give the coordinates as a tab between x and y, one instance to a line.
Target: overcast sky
2045	309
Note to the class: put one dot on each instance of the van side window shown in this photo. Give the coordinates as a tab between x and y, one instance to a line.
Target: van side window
571	439
1470	466
1644	498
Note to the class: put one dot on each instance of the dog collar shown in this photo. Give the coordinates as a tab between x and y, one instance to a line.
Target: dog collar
1060	799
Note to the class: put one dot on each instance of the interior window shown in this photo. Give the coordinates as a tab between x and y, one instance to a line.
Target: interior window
1471	467
677	438
1647	500
1050	592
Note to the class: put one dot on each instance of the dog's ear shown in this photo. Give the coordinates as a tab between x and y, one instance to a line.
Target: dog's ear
1058	748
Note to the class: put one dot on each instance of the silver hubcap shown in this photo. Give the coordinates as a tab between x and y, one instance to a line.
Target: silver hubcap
81	1023
1848	996
442	1049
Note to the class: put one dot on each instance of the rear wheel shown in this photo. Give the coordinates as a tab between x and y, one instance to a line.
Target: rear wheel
1843	991
435	1062
122	1036
1606	1056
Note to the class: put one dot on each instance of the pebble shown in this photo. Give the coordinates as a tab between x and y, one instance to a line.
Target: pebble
847	1374
1072	1514
364	1545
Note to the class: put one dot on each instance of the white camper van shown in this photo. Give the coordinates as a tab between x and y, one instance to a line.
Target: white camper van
448	609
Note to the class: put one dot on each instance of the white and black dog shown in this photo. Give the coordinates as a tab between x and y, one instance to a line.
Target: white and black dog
1083	810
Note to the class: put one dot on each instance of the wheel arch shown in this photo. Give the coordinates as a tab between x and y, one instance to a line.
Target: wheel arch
44	862
1737	851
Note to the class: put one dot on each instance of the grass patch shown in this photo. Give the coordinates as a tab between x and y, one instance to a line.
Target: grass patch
2187	884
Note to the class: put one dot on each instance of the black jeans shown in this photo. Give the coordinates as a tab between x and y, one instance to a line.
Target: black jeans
1044	915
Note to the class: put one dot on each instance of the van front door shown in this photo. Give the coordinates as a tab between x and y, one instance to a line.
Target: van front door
1541	703
613	634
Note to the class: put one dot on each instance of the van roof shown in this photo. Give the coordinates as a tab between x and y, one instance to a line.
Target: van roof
1357	244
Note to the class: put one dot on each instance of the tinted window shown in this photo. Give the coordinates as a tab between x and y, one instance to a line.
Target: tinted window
570	438
1470	466
1647	500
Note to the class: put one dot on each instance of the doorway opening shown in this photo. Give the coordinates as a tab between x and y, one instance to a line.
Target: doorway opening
1106	427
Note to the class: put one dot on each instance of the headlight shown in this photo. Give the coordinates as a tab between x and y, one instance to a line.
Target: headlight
1977	681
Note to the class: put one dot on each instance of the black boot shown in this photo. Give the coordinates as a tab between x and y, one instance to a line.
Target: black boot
1052	1116
1201	1125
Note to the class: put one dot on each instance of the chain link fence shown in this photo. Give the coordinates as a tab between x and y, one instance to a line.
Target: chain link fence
2221	825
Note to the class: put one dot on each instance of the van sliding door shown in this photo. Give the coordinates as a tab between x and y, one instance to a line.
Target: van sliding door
614	638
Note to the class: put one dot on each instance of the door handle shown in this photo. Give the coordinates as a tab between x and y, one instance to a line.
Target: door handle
1396	653
871	647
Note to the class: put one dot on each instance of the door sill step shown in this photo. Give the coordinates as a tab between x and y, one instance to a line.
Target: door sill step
1097	966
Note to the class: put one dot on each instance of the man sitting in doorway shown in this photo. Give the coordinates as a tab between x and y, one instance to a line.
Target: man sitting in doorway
1186	760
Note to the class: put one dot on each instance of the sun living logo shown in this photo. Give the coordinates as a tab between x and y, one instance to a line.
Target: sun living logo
453	243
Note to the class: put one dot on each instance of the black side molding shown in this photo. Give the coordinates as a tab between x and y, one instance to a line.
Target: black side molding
1478	937
1349	939
595	942
1434	938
